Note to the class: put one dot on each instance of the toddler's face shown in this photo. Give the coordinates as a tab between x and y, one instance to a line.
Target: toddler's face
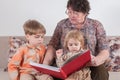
35	40
74	45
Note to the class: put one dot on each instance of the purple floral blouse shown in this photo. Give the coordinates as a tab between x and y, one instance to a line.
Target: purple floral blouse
93	31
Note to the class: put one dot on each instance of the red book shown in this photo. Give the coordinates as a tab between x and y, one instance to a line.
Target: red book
63	72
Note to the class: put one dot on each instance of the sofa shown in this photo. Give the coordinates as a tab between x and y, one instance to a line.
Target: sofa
9	44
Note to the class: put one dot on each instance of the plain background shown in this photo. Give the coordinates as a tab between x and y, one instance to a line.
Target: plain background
13	13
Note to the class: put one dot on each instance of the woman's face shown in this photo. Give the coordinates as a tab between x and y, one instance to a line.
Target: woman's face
75	17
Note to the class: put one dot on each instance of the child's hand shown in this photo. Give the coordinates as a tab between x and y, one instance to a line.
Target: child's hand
59	53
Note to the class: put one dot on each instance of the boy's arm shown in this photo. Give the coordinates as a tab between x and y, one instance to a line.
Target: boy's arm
13	66
13	69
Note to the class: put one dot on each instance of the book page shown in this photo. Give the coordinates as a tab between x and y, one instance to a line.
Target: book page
76	63
45	66
71	58
73	65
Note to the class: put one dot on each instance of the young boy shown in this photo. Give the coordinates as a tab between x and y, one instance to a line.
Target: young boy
33	50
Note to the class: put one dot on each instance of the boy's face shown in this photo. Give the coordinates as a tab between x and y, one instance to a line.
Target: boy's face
35	40
74	45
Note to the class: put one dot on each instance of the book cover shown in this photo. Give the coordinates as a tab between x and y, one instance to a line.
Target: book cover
63	72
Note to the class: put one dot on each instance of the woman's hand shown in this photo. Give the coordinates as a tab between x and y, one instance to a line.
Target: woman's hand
92	62
95	61
100	58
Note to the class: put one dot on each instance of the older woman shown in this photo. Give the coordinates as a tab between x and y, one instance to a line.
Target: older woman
94	34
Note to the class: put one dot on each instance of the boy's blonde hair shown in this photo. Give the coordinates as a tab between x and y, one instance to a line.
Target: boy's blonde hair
33	27
75	34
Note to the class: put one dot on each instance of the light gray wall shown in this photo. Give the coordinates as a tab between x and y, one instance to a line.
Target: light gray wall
108	12
13	13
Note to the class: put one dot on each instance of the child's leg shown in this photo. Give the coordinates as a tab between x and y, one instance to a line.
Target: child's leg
26	77
44	77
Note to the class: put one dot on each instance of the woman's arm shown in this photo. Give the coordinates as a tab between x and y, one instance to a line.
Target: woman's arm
100	58
49	56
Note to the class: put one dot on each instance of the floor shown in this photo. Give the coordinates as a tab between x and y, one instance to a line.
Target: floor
113	76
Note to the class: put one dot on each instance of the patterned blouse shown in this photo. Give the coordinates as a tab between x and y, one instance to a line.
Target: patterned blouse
93	31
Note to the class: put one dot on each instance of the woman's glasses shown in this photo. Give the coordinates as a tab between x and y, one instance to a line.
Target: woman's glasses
70	12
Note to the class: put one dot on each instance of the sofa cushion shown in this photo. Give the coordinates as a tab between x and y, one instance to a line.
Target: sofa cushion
112	64
14	44
114	60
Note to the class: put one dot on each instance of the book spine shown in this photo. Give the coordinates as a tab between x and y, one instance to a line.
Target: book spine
63	73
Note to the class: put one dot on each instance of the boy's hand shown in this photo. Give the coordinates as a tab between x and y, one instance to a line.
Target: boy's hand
29	70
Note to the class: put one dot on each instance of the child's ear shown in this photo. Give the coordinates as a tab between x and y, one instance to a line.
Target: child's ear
27	36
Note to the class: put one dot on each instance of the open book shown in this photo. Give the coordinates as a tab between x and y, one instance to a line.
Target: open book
63	72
